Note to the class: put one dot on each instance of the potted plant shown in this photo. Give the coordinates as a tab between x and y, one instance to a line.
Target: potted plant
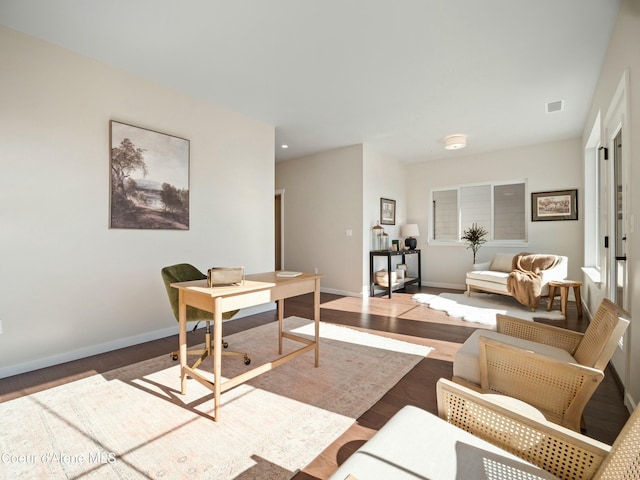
474	237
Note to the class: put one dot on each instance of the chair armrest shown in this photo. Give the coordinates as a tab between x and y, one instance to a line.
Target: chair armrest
538	332
559	272
560	390
558	450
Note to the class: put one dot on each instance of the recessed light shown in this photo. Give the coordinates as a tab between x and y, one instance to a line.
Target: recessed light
284	146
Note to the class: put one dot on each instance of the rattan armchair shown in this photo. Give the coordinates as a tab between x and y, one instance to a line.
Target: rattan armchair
593	348
554	369
562	452
484	436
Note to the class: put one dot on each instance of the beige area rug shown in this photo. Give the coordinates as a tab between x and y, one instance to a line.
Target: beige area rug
482	307
133	423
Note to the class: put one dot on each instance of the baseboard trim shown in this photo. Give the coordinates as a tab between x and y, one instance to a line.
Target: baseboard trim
630	403
335	291
365	292
452	286
97	349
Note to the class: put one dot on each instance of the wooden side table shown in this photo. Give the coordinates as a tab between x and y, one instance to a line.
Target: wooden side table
564	286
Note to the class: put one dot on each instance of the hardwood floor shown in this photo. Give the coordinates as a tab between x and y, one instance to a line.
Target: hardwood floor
605	415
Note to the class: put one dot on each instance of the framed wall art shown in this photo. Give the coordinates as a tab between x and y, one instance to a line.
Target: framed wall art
556	205
387	211
149	179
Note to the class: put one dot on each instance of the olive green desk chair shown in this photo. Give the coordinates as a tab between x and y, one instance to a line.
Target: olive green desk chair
184	272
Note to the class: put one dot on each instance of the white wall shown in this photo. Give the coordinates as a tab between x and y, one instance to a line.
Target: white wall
622	55
383	177
332	192
322	200
70	286
551	166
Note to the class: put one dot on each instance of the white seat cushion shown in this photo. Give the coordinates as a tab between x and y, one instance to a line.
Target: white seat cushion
466	362
417	444
489	276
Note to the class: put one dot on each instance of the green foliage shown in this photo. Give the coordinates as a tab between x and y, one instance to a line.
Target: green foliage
125	159
174	200
474	238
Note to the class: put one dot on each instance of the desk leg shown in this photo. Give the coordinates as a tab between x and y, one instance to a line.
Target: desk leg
389	283
182	341
280	308
217	356
316	318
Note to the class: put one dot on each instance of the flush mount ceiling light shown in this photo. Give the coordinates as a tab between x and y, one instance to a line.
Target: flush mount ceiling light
455	142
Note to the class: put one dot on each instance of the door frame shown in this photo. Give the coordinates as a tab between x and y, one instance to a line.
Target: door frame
616	120
279	228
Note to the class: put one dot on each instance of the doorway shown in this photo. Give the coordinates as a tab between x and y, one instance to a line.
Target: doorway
279	243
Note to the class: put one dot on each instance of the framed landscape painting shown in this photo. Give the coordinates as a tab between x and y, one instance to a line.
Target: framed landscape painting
149	179
556	205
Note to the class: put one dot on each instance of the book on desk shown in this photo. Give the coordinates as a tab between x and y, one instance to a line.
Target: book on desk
288	274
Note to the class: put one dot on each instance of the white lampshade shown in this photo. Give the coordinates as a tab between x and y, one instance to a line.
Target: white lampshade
409	230
455	142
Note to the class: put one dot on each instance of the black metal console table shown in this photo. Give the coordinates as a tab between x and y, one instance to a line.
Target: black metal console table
409	280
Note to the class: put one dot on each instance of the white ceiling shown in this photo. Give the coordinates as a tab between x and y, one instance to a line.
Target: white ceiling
397	75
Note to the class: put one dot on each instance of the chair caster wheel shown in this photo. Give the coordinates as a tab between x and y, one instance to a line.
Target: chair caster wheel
247	360
225	345
174	357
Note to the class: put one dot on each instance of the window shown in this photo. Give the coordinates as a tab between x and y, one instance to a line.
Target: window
509	212
499	208
445	214
595	202
600	217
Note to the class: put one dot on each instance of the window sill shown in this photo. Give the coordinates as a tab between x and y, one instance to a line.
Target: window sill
593	274
493	243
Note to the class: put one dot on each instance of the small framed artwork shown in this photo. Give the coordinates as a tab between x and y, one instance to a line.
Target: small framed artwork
387	211
149	179
556	205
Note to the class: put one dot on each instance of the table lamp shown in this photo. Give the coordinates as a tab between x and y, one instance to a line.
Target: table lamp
410	230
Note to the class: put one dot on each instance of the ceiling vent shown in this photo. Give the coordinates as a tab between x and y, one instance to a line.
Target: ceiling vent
556	106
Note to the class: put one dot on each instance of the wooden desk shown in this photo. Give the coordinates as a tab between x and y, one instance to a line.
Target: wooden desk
257	289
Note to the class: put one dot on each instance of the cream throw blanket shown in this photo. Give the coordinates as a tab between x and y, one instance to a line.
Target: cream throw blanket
524	282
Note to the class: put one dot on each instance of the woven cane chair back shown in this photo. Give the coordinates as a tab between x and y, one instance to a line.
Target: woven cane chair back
602	335
623	461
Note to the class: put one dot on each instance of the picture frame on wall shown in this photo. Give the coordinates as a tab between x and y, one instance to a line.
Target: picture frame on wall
554	205
387	211
149	187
